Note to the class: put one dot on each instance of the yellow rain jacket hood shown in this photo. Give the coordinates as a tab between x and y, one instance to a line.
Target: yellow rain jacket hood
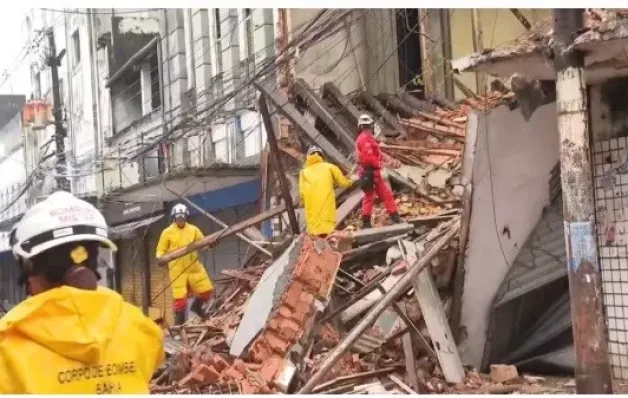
186	270
74	341
316	188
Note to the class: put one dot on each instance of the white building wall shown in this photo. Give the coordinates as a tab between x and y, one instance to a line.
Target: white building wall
511	172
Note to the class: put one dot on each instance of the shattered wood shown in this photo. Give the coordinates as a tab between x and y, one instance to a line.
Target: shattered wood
301	328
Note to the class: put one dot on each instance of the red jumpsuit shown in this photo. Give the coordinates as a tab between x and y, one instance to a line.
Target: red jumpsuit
369	154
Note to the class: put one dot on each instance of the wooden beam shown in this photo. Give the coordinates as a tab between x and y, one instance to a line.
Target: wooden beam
369	319
316	105
281	173
218	221
379	109
329	89
435	319
225	233
283	105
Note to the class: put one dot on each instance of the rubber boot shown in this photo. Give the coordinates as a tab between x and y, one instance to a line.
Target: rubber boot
179	318
395	218
366	222
200	307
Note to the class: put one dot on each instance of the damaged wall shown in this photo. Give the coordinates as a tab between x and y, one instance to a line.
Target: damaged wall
342	58
496	28
510	174
609	122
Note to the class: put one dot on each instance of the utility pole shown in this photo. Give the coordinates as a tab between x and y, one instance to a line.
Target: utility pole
593	375
54	61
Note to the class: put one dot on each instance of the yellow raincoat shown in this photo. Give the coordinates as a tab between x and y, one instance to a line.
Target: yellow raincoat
74	341
186	270
316	188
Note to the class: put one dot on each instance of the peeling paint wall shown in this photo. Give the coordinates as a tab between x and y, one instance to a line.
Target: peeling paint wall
499	28
509	191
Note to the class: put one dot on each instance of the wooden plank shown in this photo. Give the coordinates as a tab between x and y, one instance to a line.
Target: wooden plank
283	105
349	205
225	233
408	352
379	109
435	320
316	105
329	89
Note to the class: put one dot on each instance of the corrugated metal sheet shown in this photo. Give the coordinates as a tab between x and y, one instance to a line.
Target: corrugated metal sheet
541	260
555	321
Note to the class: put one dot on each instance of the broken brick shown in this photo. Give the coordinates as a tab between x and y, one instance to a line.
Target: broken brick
207	374
270	368
220	363
290	329
276	343
285	312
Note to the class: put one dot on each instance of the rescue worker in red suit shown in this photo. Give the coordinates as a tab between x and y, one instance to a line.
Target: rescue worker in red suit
371	181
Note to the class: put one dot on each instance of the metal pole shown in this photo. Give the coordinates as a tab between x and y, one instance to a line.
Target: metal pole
54	62
274	150
593	374
219	222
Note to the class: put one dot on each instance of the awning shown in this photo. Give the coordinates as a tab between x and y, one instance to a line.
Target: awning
127	230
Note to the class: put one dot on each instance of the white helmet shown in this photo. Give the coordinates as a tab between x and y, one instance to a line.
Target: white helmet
61	218
365	119
179	210
314	149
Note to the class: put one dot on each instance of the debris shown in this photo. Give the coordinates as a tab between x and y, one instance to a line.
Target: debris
273	329
503	373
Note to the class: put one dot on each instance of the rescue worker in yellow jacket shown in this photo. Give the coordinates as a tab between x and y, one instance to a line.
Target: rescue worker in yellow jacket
187	273
316	188
71	336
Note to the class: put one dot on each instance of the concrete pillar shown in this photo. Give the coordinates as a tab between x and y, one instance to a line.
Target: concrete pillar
145	89
263	35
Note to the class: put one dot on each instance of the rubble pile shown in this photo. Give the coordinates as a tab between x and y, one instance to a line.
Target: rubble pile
282	323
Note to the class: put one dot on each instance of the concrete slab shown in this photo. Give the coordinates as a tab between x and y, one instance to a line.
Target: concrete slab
265	298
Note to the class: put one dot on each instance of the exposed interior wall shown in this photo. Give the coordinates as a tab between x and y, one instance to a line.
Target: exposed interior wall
353	57
499	28
512	165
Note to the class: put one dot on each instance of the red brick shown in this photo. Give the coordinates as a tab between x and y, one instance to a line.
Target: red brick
260	350
220	363
270	368
293	295
285	312
207	374
189	380
275	323
290	329
232	374
276	343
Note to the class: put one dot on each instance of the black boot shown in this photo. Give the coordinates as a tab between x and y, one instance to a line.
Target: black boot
366	222
179	318
200	307
395	218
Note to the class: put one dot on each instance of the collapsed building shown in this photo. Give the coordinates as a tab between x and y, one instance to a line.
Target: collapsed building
350	313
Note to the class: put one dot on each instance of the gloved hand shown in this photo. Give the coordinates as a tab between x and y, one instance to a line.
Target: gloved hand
367	181
354	178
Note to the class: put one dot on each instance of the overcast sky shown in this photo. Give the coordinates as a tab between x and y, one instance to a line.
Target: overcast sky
12	39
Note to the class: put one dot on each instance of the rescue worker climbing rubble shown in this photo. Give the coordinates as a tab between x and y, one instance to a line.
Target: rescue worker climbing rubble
71	336
187	273
316	189
371	180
